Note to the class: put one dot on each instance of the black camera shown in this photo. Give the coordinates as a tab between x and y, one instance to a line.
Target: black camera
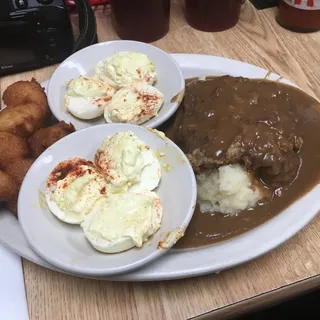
37	33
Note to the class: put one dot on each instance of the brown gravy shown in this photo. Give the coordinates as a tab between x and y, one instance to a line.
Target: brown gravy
283	100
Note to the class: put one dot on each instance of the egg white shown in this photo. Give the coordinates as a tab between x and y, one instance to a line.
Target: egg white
151	174
124	242
72	198
85	108
100	72
60	214
131	163
121	110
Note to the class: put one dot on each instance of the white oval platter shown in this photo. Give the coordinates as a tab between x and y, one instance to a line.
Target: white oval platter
195	262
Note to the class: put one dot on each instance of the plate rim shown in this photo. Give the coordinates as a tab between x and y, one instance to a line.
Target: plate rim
186	272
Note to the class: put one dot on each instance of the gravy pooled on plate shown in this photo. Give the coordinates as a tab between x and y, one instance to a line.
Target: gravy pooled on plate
270	128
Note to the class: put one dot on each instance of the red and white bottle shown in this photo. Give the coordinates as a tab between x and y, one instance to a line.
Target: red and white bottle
299	15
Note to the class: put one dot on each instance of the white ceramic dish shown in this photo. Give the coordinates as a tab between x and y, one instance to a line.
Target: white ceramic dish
190	263
170	80
64	245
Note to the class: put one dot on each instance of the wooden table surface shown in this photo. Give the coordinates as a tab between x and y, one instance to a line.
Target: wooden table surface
291	268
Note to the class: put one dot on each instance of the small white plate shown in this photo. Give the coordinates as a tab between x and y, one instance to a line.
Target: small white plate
170	80
64	245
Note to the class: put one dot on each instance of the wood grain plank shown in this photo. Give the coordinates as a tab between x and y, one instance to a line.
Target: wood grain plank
258	40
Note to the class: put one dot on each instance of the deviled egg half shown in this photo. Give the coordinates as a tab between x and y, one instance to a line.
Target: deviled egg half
125	68
134	104
127	162
72	189
123	221
87	97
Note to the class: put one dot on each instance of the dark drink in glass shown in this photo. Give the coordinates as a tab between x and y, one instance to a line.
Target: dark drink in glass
141	20
212	15
299	16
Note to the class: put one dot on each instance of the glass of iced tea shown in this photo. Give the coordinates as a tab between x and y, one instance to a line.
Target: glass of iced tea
212	15
141	20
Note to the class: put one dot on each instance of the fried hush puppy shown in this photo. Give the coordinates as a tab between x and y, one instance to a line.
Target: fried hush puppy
22	120
11	180
11	147
26	113
24	92
12	205
27	108
44	138
18	168
9	187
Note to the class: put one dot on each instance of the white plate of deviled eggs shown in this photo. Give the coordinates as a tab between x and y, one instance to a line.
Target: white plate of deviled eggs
107	199
116	82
